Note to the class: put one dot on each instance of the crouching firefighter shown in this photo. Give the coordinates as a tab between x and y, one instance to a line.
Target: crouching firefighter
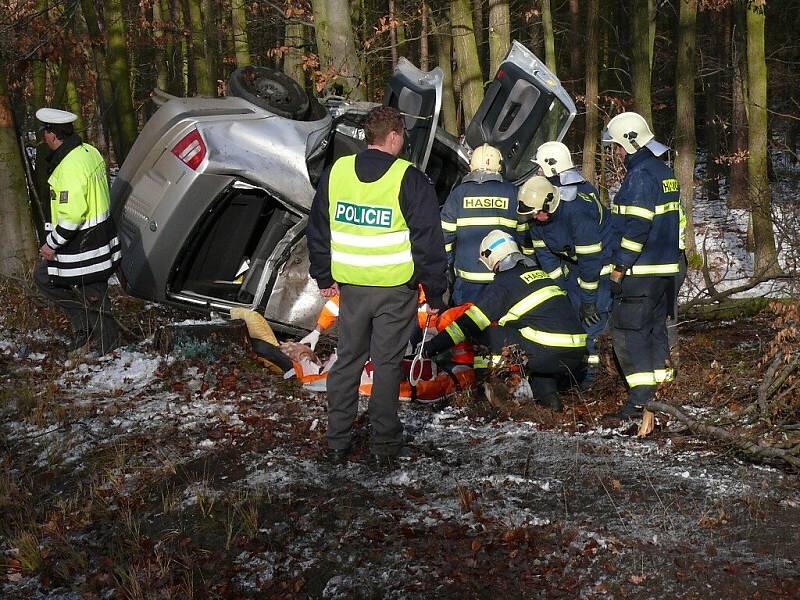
646	221
537	316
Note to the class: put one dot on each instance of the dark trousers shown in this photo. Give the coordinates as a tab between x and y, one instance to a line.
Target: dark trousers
639	322
466	291
87	306
374	323
672	325
603	304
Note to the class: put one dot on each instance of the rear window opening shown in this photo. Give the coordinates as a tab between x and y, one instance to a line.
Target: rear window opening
225	255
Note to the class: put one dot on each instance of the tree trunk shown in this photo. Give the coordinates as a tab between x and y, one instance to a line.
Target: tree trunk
575	49
480	38
39	69
499	33
294	39
640	59
18	250
241	45
160	37
444	53
198	60
590	135
119	72
74	104
336	46
766	256
737	191
652	10
424	52
537	33
393	33
549	36
685	136
466	55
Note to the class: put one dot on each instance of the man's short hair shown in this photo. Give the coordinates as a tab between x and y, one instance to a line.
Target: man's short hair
61	130
380	121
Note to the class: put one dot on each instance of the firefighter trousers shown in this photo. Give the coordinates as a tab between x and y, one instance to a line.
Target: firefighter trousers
639	325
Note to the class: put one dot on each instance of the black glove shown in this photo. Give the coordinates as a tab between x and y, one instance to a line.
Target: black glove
616	286
589	314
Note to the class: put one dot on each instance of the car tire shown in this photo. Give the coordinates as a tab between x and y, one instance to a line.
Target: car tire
269	89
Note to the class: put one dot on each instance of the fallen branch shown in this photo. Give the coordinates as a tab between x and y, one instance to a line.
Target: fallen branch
717	433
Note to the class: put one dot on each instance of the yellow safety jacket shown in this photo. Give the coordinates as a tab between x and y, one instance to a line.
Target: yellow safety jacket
370	239
80	229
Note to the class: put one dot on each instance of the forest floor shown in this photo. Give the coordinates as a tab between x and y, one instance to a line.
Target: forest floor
200	474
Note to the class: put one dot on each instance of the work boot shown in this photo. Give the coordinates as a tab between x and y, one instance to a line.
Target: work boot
337	456
386	463
79	340
551	401
630	411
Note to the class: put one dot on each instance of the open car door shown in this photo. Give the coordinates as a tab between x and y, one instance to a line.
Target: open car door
418	95
522	108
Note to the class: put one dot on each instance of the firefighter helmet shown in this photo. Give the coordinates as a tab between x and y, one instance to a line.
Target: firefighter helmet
630	130
538	194
496	246
485	158
553	158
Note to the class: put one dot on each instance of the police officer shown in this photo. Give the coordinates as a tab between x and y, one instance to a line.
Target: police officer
535	312
481	203
373	236
646	222
576	235
81	250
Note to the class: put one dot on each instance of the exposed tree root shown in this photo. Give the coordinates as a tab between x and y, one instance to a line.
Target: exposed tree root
790	456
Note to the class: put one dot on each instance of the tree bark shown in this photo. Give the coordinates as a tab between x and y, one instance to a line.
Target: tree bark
640	59
575	49
393	33
424	52
466	55
499	33
198	57
549	37
766	255
294	40
18	250
737	191
119	72
444	53
685	136
336	46
160	37
241	45
590	136
480	37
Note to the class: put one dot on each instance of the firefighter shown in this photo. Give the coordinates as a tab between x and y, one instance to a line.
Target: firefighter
645	216
578	234
481	203
81	250
535	312
373	237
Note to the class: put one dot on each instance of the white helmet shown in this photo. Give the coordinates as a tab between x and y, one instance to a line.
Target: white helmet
630	130
538	194
553	158
485	158
496	246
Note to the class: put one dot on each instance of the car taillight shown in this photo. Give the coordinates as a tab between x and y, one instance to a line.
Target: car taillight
191	150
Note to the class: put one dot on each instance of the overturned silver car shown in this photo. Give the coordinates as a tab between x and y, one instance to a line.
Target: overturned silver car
212	201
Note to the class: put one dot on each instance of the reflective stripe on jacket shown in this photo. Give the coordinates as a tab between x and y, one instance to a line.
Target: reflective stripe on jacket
81	232
370	240
646	217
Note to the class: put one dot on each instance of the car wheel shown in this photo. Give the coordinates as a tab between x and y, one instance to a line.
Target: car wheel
269	89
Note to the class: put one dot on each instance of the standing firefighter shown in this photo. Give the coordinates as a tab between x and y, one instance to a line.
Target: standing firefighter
646	222
577	235
536	314
481	203
373	236
82	249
